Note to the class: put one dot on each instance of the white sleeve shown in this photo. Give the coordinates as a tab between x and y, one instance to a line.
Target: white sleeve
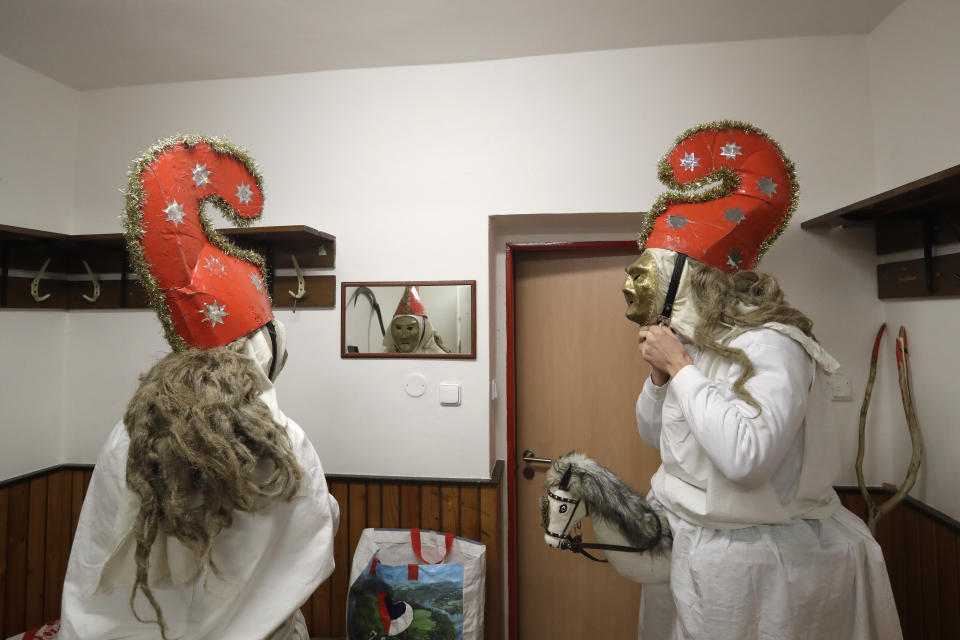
649	407
315	484
748	446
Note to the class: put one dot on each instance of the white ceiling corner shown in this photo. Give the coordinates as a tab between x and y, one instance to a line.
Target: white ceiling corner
94	44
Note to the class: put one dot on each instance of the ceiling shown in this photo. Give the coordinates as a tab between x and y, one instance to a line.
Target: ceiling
94	44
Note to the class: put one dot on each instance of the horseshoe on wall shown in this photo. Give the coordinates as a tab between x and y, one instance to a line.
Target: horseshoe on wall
96	284
35	283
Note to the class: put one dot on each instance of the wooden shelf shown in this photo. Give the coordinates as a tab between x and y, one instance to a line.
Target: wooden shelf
314	249
8	232
26	250
923	214
938	193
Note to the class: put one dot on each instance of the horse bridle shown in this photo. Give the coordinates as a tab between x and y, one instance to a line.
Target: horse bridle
564	538
576	543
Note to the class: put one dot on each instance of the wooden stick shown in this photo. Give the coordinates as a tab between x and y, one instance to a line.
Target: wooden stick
861	447
916	437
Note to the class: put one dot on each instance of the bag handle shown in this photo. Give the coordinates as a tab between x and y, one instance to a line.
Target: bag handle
415	543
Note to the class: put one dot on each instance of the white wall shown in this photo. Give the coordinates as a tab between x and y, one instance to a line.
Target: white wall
32	384
818	117
38	136
914	71
389	160
438	147
104	354
365	155
38	141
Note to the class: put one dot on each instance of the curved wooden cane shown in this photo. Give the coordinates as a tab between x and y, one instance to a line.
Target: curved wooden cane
874	513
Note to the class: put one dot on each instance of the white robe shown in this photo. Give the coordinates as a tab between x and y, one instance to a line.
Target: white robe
272	560
762	549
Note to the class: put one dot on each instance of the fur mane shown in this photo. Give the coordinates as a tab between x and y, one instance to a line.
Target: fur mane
610	500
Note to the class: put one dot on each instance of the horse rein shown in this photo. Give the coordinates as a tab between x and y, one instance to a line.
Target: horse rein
576	543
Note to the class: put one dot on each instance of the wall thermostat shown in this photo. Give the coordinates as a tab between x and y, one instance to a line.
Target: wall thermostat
415	385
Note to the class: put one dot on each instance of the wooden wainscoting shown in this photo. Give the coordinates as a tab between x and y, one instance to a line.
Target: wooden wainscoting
39	513
38	517
921	547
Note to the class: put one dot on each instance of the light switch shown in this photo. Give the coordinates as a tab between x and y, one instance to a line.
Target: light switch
450	394
840	387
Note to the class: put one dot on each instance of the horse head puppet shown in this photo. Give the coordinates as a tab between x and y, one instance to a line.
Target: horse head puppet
635	537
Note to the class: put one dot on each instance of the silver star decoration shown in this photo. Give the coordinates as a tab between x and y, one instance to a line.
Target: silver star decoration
767	186
244	194
215	313
676	221
734	215
255	279
214	266
734	258
174	213
201	176
731	150
690	161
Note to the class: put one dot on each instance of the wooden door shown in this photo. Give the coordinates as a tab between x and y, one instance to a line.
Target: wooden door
578	373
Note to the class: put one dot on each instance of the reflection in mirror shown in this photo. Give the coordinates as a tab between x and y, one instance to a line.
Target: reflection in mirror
408	319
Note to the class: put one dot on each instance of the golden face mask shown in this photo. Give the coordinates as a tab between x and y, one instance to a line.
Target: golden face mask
640	290
405	330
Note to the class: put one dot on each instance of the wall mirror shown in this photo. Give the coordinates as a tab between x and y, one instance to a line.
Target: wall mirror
432	319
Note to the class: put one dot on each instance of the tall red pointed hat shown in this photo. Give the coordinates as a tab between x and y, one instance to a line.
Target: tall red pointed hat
207	291
410	303
733	192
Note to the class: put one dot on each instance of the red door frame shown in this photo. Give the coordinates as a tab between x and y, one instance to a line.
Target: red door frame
513	248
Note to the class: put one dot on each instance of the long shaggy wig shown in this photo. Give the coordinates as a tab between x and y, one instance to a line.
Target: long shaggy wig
202	445
609	499
740	300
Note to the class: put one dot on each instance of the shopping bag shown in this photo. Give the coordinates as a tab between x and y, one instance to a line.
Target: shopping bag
47	631
416	585
407	602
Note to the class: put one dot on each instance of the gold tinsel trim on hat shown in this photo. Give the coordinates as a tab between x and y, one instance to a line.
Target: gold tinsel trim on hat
134	230
407	295
729	182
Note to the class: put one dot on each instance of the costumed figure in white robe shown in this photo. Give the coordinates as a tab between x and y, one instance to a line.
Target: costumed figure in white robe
207	515
410	330
762	547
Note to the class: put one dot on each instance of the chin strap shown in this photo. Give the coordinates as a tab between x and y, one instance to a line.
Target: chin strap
273	349
664	317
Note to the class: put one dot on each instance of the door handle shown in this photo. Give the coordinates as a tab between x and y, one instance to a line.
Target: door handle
529	456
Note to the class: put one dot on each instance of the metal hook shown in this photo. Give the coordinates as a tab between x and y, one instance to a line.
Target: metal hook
96	284
301	286
35	283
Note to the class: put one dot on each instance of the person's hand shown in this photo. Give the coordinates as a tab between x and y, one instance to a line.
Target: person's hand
662	350
659	376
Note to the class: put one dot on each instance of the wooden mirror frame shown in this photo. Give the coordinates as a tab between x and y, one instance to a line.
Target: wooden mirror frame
419	283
